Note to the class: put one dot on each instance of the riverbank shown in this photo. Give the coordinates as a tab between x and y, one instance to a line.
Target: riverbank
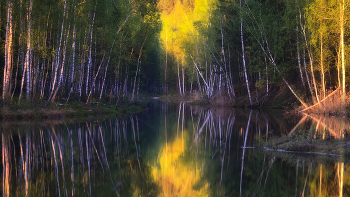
74	110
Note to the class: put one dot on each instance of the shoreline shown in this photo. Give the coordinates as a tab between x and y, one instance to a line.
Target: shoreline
72	110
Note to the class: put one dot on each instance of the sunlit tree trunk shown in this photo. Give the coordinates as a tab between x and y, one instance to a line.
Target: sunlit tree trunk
27	63
341	25
307	77
338	66
322	67
310	58
166	62
8	54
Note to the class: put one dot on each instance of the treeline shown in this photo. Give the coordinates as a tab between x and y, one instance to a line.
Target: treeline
240	46
90	50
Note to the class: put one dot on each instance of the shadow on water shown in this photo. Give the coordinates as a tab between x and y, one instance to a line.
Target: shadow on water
172	149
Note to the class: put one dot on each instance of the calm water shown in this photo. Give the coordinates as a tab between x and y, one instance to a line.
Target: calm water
169	150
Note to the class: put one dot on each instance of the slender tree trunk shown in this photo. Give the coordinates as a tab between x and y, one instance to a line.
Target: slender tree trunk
299	61
342	24
90	54
94	81
322	68
28	60
338	67
137	70
310	57
307	77
183	78
71	78
178	76
8	54
166	62
267	80
243	57
57	61
60	80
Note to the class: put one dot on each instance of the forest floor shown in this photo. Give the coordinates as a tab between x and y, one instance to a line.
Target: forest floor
71	110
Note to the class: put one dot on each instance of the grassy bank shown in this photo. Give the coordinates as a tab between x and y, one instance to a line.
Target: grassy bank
308	141
76	110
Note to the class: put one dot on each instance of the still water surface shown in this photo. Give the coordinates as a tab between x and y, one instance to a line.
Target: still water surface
171	149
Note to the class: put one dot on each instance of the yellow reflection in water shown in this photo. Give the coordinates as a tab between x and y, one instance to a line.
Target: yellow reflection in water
176	175
329	181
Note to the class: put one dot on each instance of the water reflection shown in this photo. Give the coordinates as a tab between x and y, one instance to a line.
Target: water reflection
172	149
326	126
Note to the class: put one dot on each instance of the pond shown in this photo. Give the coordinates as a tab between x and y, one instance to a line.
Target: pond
171	149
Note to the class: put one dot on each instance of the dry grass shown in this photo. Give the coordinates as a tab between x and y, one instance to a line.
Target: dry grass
335	104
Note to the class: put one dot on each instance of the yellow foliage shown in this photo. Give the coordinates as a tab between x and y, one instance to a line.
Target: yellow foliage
178	22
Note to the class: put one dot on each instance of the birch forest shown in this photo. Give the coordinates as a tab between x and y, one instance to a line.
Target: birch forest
95	51
80	50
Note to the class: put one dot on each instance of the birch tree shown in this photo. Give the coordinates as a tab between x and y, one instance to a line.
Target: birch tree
8	53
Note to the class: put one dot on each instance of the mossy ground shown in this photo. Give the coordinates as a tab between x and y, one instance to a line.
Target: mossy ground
308	141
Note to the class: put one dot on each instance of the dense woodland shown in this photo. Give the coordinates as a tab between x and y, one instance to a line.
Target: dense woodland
108	50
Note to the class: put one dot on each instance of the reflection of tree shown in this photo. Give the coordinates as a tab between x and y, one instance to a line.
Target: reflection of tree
170	149
329	180
336	127
92	159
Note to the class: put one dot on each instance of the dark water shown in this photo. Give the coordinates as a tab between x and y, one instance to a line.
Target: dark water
169	150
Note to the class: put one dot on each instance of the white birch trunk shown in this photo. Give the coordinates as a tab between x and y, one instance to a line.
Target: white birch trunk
89	58
178	77
94	81
29	52
137	70
57	59
243	57
322	69
183	79
310	57
299	61
71	81
8	54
